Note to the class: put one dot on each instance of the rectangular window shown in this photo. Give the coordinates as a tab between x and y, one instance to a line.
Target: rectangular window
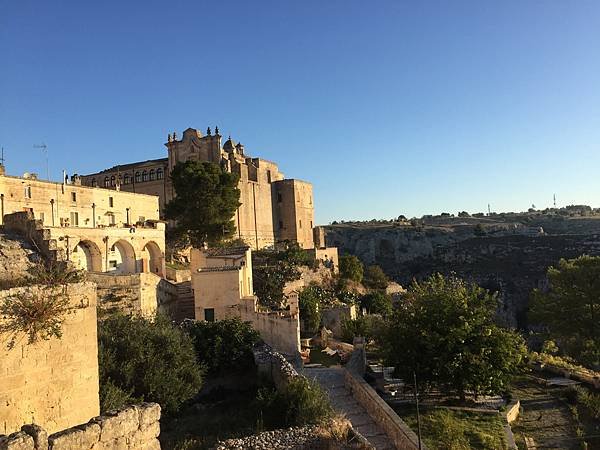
111	219
111	202
27	191
268	176
209	314
300	222
311	224
73	197
74	219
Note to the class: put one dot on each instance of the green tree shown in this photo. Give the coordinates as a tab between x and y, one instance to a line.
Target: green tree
369	327
223	346
148	360
270	280
309	303
570	309
375	278
377	302
351	268
445	332
206	200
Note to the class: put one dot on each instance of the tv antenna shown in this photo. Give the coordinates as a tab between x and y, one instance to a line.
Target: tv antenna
2	157
44	148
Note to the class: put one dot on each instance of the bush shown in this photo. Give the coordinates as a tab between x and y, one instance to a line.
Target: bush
225	345
375	278
366	326
151	361
112	397
377	302
351	268
301	402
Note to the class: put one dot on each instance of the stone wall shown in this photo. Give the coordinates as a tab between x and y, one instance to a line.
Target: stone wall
142	294
403	437
135	427
279	330
54	382
273	365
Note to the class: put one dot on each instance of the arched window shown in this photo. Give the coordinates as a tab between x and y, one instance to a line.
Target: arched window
106	182
126	179
112	180
159	174
138	177
93	182
152	174
144	176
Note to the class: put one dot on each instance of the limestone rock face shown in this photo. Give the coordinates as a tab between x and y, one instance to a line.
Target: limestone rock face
507	259
16	256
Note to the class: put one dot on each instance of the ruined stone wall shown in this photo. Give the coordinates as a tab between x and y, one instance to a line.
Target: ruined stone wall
280	331
54	382
132	428
142	294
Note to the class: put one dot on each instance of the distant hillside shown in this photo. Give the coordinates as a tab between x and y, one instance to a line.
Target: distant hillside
509	254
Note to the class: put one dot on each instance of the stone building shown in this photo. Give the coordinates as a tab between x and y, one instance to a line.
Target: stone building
223	287
273	209
97	229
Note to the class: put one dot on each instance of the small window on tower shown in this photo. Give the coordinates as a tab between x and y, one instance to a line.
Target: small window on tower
73	197
111	202
27	191
300	222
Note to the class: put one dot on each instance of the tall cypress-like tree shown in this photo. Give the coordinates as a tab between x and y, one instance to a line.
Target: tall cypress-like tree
205	203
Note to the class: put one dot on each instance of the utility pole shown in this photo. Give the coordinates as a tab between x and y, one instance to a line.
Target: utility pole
44	148
489	209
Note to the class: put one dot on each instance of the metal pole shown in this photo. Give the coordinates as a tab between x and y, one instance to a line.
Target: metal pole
417	403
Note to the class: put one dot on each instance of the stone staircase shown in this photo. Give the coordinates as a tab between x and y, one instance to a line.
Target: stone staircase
331	380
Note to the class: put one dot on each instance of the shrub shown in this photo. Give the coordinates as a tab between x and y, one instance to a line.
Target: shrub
151	361
225	345
112	397
375	278
377	302
301	402
368	327
351	268
447	431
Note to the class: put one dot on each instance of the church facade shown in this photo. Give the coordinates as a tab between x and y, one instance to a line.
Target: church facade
273	209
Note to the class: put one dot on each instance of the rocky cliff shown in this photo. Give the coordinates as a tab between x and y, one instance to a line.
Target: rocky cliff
16	257
510	258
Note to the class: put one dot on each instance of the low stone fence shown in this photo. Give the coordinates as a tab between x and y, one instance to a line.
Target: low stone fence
587	378
135	427
273	365
402	436
298	438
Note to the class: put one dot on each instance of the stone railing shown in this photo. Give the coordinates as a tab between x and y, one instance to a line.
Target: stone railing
401	435
135	427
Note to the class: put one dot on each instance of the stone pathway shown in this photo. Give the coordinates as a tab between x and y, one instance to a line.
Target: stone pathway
332	380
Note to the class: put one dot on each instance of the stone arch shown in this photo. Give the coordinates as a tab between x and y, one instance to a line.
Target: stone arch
153	258
86	255
121	258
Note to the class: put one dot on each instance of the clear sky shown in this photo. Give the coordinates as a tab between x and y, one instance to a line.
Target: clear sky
387	107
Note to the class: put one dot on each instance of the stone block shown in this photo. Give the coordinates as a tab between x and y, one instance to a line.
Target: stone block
17	441
39	435
148	413
118	424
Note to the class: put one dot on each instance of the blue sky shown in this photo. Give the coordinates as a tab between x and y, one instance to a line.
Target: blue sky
388	107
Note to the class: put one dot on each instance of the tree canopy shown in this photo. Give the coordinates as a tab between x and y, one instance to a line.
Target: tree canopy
351	268
445	332
375	278
147	360
377	302
205	203
570	308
